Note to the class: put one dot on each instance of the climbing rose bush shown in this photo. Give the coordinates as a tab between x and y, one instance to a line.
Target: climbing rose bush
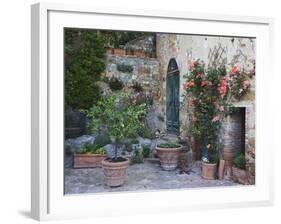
208	93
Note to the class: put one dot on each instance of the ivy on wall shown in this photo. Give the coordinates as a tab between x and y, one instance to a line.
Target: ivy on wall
84	62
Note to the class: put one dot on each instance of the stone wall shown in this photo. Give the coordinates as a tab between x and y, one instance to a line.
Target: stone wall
146	72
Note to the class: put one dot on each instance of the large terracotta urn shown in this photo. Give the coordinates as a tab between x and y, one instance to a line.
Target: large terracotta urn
168	157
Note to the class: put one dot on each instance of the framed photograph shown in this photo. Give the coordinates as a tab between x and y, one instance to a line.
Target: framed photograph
148	111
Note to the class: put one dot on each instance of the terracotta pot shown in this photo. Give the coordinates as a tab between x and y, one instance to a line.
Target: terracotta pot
228	155
209	170
119	51
139	53
168	157
88	160
129	52
109	51
239	175
196	150
115	172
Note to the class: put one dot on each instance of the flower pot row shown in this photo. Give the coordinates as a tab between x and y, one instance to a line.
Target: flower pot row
115	169
123	52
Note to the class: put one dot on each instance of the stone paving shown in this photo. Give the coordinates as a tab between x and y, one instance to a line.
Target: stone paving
140	177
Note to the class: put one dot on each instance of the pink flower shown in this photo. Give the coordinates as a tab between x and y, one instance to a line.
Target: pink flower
203	83
223	87
233	70
199	75
194	119
190	103
210	83
221	108
245	84
192	65
216	118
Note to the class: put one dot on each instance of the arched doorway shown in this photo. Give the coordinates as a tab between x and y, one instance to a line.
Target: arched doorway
172	97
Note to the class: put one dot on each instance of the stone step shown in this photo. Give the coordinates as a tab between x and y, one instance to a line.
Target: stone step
170	137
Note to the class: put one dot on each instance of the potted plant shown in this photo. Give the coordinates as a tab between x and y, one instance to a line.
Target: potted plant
139	53
89	156
239	173
121	118
119	51
209	166
168	154
130	52
208	95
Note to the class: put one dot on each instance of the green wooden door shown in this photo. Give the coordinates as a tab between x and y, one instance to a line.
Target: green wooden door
172	100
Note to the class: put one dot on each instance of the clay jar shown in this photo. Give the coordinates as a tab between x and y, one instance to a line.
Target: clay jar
168	157
209	170
115	172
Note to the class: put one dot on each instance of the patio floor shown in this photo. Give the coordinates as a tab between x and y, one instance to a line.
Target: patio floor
140	177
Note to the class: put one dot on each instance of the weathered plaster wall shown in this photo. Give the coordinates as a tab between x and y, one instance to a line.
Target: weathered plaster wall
212	50
166	48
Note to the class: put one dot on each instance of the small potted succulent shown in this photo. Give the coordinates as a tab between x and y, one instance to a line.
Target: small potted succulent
89	156
122	119
168	154
239	173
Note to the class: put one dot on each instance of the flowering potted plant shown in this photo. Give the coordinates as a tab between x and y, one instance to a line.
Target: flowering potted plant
209	165
121	118
208	93
89	156
205	93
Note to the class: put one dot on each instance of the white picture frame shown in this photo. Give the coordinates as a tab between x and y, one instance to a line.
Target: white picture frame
48	201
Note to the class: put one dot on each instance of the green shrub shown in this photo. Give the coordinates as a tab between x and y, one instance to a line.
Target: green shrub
67	149
115	84
239	161
147	132
86	148
105	79
125	68
213	158
145	151
91	148
137	87
102	140
133	135
85	60
119	116
134	141
101	151
137	157
168	145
